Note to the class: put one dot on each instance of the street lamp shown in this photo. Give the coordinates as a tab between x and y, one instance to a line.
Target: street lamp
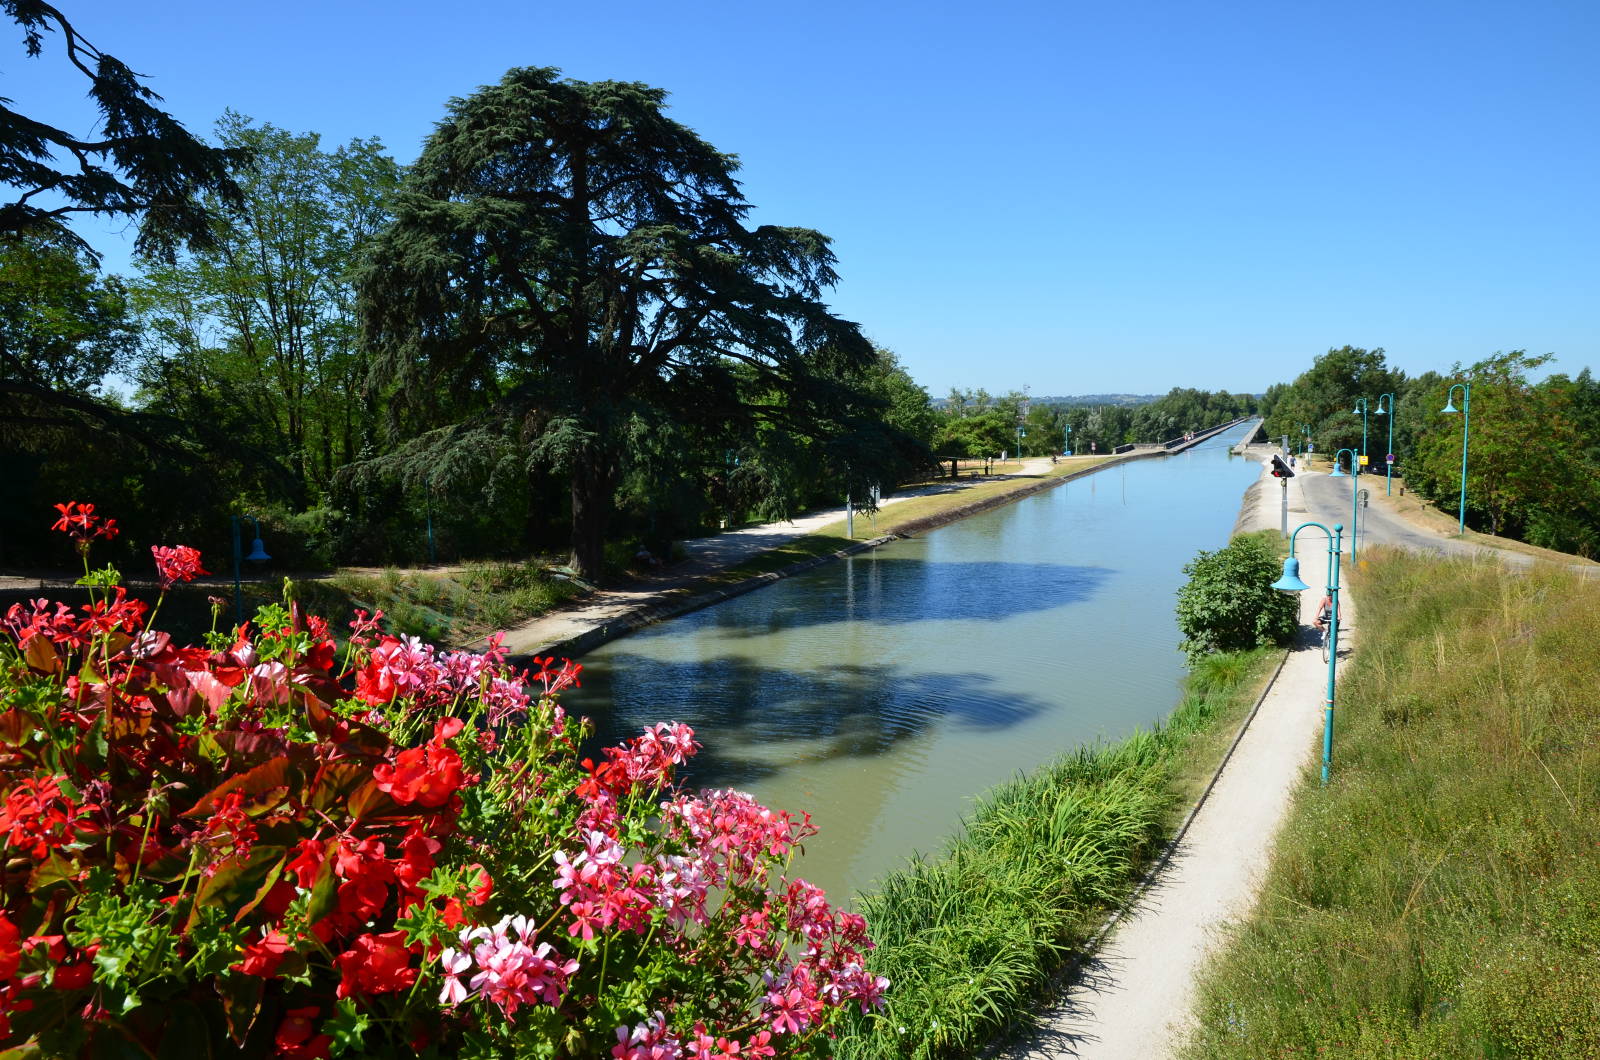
1355	496
1361	407
1066	440
1466	418
1290	582
1388	457
258	554
1305	438
1021	434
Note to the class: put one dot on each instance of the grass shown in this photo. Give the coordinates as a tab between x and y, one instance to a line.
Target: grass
972	939
443	607
1441	897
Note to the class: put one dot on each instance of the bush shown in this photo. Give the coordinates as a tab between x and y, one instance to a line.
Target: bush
254	847
1229	603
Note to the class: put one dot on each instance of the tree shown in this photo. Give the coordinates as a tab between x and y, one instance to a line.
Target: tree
567	262
141	162
62	328
1229	604
259	327
1526	454
1323	396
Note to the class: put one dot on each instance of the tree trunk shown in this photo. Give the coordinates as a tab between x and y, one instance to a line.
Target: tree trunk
591	513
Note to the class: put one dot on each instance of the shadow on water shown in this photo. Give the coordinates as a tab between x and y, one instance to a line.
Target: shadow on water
899	589
762	720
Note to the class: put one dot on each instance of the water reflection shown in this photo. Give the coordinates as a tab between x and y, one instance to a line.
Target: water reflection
909	588
886	691
766	720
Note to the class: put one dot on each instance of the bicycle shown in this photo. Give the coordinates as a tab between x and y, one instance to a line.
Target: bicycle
1324	611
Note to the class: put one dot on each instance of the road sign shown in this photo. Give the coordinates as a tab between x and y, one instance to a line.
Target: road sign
1363	459
1389	459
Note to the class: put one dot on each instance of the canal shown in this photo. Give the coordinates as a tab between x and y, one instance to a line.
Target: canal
884	692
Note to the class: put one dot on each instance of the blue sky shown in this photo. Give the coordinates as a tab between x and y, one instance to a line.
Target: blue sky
1079	197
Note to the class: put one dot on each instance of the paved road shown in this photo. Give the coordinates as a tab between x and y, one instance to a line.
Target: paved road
1326	500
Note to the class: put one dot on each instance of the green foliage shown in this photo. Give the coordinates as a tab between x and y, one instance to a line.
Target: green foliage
1531	471
1229	604
62	328
258	332
1439	897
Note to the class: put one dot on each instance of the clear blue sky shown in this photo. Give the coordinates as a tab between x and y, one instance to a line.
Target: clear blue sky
1081	197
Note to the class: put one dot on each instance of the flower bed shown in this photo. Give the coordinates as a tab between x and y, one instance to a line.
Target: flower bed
254	847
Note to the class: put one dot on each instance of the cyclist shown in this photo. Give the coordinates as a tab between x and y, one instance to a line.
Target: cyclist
1324	614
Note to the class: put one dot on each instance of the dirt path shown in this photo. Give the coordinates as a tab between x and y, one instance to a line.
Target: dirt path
1133	998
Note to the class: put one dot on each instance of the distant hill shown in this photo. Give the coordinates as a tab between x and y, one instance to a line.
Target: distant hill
1098	399
1076	399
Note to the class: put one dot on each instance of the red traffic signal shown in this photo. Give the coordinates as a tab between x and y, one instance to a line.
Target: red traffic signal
1279	468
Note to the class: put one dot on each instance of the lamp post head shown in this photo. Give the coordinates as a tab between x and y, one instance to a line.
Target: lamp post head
1290	582
258	552
1336	473
1450	405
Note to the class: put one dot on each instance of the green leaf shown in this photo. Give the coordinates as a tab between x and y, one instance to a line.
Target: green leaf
346	1026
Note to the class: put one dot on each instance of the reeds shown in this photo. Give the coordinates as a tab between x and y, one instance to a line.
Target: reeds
972	938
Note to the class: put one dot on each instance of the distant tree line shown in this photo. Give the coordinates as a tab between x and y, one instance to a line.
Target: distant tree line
977	424
1533	464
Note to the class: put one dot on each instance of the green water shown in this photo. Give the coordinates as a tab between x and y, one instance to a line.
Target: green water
884	692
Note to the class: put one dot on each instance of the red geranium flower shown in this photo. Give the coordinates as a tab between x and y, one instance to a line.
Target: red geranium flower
297	1038
178	564
80	521
426	775
263	957
10	948
376	964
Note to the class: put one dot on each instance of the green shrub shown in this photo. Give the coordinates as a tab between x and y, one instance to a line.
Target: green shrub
1229	603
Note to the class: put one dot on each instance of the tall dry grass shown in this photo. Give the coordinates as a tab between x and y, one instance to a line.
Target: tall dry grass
1441	897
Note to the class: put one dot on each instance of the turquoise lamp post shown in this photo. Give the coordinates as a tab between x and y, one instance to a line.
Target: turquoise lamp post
258	554
1361	407
1355	496
1388	457
1066	440
1290	582
1305	438
1466	418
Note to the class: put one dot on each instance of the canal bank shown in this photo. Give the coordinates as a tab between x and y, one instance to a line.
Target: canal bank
1132	995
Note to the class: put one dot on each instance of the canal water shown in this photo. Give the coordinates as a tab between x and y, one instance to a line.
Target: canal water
884	692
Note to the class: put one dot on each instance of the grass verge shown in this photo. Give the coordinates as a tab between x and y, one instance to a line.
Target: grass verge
1441	897
972	939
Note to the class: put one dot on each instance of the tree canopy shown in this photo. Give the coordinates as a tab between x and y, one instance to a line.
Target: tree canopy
569	270
139	162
